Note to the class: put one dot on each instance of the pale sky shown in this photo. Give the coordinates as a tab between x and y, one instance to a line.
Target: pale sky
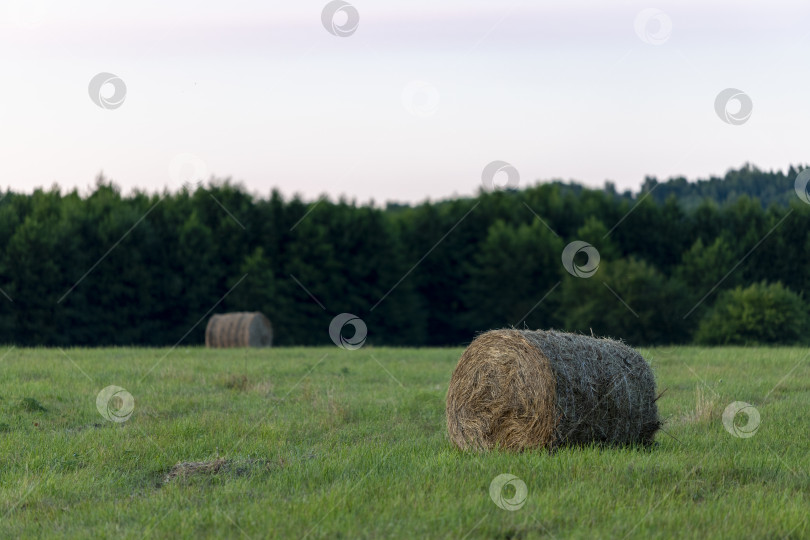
412	105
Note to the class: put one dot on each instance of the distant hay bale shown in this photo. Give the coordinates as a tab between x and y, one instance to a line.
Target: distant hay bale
522	389
240	329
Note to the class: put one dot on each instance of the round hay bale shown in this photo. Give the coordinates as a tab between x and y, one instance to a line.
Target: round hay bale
523	389
240	329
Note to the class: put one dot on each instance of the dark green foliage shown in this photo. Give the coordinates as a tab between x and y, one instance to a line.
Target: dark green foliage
149	269
758	314
767	187
512	271
630	299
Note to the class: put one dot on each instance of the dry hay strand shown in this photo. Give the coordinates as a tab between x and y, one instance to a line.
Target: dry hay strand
239	329
523	389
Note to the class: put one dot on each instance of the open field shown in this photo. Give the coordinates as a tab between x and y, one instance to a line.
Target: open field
323	442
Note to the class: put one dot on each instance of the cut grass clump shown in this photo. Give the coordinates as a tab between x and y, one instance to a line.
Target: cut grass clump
241	383
187	469
236	382
190	469
30	404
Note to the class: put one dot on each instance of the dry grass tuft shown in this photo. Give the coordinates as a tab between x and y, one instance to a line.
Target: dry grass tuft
705	405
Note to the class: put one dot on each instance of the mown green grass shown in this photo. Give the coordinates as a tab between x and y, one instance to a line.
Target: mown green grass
351	444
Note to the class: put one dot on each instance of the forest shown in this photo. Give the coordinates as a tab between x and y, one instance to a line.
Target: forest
717	261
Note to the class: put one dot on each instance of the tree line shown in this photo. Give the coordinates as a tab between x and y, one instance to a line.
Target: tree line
149	269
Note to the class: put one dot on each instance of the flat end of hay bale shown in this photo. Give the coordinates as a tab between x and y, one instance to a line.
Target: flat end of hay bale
501	395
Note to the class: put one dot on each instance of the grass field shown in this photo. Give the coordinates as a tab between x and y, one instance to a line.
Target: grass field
352	444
